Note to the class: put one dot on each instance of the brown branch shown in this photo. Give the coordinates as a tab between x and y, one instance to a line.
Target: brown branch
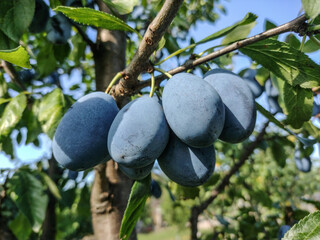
297	25
197	210
148	45
14	76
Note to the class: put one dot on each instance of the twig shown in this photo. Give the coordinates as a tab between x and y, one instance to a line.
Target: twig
149	43
85	37
297	25
14	76
197	210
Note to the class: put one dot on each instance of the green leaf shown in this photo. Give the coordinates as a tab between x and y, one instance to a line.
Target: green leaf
46	61
3	86
306	229
122	6
6	43
21	227
269	25
248	19
307	142
12	114
310	46
17	56
238	33
95	18
27	193
15	17
51	185
139	193
51	109
311	8
298	103
293	41
285	62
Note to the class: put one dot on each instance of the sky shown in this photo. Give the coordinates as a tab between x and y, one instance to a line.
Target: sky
277	11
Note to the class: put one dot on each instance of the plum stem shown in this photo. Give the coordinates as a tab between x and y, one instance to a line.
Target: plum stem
113	81
152	85
163	72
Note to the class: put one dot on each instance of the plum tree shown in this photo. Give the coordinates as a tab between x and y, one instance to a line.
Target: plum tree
185	165
72	174
240	107
139	133
40	18
249	77
190	101
136	173
58	29
80	141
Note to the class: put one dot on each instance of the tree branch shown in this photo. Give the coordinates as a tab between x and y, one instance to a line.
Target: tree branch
14	76
297	25
197	210
148	45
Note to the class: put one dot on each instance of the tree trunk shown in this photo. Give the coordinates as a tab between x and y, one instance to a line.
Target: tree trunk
111	188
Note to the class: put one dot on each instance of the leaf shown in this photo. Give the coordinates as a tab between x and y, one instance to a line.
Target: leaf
311	8
46	61
306	229
12	114
285	62
51	109
3	86
249	18
238	33
310	46
20	227
15	17
27	193
54	3
139	193
307	142
122	6
6	43
51	185
298	102
95	18
17	56
269	25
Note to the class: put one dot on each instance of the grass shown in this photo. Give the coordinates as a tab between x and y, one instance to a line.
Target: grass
170	233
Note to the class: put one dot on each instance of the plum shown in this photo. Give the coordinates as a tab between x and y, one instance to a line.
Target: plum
40	18
139	133
58	29
315	108
282	231
185	165
72	174
155	189
273	96
80	140
240	107
255	87
274	105
136	173
193	109
303	164
271	91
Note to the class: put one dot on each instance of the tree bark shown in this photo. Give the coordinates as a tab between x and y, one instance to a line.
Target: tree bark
111	188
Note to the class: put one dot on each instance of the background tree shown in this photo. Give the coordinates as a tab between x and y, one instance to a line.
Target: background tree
51	203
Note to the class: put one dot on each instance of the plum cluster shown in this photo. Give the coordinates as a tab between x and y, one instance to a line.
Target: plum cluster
179	131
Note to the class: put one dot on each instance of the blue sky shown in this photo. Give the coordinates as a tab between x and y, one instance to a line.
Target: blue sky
277	11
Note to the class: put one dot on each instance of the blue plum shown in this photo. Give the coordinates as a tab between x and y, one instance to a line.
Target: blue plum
255	87
315	108
185	165
271	90
58	29
274	105
155	189
303	164
282	231
240	107
273	96
72	174
193	109
136	173
139	133
80	141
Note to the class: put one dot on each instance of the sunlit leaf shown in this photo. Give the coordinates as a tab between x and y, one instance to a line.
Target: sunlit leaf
122	6
17	56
